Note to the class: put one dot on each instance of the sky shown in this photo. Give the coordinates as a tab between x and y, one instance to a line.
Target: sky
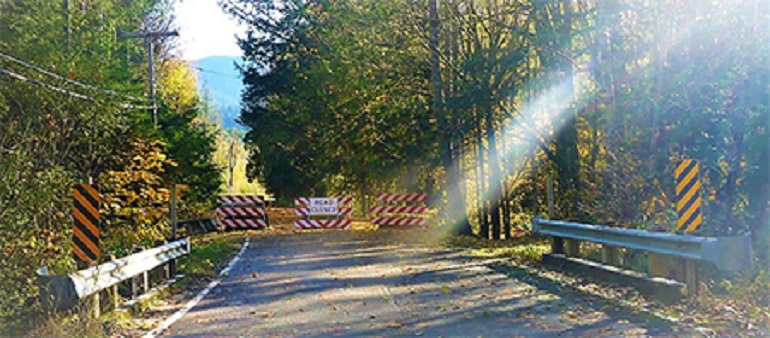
205	30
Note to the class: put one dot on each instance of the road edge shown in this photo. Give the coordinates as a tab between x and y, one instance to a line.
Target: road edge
193	302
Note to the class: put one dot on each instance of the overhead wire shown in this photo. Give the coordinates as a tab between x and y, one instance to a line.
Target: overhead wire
70	81
65	91
216	73
45	85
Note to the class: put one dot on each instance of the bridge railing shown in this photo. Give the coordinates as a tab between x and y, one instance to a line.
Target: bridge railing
62	292
727	253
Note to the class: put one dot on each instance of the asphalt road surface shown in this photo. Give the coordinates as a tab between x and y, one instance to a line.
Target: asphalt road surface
353	284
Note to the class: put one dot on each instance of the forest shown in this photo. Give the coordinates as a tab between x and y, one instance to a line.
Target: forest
492	107
74	109
482	103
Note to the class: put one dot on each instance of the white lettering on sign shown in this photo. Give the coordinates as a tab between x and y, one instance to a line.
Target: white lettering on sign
323	206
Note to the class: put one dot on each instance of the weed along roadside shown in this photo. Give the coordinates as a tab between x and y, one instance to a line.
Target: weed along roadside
209	254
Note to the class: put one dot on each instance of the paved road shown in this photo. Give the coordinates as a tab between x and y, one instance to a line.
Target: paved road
353	284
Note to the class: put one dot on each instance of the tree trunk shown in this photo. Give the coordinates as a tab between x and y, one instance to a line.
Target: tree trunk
480	180
464	226
454	215
494	179
506	205
567	137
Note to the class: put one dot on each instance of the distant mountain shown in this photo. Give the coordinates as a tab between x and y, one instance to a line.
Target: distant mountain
219	79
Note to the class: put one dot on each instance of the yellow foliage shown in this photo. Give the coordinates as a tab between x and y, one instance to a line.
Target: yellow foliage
135	200
178	86
222	156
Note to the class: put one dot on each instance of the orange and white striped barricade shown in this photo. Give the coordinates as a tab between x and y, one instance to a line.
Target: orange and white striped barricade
310	207
242	211
410	212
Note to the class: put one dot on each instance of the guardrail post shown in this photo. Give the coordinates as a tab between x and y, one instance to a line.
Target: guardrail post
146	278
96	305
114	288
94	299
571	247
115	296
691	277
557	245
610	255
657	265
166	268
172	263
134	281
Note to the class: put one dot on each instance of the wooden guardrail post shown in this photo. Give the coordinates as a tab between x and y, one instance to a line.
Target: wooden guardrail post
93	301
96	305
63	292
145	282
557	243
172	263
672	256
691	277
134	280
571	247
166	268
610	255
114	288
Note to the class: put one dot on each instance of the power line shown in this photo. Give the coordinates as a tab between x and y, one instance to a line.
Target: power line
65	91
57	76
216	73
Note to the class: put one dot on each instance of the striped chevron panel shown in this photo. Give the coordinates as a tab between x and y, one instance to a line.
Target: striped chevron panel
402	198
240	200
304	212
323	223
305	201
398	221
241	211
383	209
342	200
243	223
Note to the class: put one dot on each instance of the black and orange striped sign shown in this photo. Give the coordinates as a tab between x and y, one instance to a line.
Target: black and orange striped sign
86	215
688	200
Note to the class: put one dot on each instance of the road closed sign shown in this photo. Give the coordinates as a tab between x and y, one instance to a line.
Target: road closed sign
320	206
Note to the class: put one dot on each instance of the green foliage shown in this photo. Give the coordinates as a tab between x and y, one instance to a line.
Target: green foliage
207	255
192	146
232	156
68	96
359	115
523	250
33	232
603	96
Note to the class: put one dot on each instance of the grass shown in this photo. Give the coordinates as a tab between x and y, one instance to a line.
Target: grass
522	249
74	323
209	253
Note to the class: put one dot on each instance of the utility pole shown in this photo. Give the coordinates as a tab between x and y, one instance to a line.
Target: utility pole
231	163
148	36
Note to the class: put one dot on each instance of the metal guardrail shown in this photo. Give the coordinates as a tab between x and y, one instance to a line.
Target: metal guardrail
198	226
63	291
729	253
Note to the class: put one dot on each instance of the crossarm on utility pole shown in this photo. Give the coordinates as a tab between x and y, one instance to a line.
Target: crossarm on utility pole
147	36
